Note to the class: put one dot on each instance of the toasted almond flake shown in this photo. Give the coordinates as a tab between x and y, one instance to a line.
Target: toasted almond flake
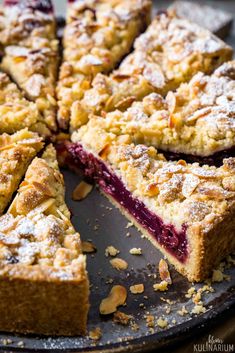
162	286
164	271
81	191
162	323
111	251
119	264
137	288
121	318
116	297
95	334
88	247
135	251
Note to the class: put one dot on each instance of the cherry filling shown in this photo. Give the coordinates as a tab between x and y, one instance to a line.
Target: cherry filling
40	5
173	241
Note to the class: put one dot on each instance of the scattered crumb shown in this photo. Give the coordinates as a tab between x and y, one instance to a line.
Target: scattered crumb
95	334
118	263
111	251
134	326
121	318
190	292
20	344
128	234
109	281
88	247
162	286
183	311
173	321
198	309
162	323
6	341
81	191
168	309
137	288
168	301
149	320
217	276
135	251
129	225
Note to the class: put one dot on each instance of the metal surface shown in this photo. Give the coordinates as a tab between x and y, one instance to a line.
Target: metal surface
97	220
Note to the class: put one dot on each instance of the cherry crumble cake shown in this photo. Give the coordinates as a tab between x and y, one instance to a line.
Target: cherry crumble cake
170	52
174	92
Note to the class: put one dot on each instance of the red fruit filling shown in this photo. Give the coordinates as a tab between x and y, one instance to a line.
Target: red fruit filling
175	242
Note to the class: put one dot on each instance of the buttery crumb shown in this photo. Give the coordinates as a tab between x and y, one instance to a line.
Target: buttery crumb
121	318
190	292
168	309
134	326
129	225
162	286
111	251
20	344
149	320
162	323
217	276
183	311
173	321
198	309
137	288
6	341
135	251
95	334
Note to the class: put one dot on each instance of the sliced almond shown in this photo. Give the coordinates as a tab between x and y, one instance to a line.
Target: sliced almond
116	297
81	191
88	247
137	288
119	264
164	271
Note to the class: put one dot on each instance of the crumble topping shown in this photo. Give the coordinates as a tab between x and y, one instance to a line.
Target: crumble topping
16	152
111	251
197	119
137	288
135	251
31	54
169	53
191	194
97	35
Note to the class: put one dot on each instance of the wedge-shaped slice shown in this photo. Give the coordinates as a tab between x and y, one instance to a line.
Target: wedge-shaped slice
197	119
43	281
187	211
16	112
170	52
31	52
16	153
97	36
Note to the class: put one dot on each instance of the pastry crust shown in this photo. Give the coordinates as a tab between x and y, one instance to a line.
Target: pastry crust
43	279
190	198
170	52
198	119
16	153
28	36
16	112
97	36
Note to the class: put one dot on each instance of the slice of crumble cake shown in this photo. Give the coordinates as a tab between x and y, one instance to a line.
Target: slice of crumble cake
187	211
170	52
16	153
198	119
28	36
98	34
43	281
16	112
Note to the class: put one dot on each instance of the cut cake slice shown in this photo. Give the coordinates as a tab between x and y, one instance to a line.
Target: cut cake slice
43	281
